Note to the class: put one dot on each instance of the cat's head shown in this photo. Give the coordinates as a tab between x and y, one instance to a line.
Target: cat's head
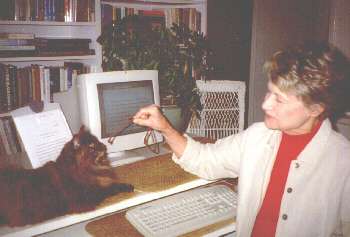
85	150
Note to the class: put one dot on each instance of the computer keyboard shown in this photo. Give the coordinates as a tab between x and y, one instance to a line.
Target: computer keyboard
184	212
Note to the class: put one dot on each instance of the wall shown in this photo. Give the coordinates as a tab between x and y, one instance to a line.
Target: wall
276	24
339	35
339	25
229	33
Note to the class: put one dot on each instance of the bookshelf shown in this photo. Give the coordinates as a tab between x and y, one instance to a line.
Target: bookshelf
51	20
72	24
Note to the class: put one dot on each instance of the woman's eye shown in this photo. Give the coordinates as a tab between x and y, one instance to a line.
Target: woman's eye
280	100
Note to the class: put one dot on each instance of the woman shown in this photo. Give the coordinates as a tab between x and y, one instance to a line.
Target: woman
293	169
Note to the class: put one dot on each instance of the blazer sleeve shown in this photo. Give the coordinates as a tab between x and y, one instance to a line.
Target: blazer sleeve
345	209
223	158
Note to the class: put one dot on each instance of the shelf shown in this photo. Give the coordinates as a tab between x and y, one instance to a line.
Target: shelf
46	23
52	58
345	120
153	4
4	114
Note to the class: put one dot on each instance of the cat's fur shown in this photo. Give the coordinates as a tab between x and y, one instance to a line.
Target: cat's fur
77	181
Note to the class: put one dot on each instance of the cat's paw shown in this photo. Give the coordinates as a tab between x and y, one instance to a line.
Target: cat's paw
126	187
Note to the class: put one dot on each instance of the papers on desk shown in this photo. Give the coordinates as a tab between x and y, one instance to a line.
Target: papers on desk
43	134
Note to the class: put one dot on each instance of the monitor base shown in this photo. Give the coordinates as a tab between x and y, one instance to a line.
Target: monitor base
130	156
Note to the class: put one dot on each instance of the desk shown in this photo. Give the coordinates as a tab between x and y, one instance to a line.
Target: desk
153	178
117	225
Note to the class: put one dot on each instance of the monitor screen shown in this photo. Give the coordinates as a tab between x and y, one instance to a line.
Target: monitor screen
119	101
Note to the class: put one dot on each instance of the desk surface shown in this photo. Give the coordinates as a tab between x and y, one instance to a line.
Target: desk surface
117	225
152	178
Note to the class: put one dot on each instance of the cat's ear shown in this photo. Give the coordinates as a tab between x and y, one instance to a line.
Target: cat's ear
76	142
82	129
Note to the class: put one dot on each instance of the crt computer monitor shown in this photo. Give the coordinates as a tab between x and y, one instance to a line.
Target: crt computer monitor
107	100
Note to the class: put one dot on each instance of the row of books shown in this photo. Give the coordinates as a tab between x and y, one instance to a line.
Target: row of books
161	17
24	44
48	10
9	142
20	86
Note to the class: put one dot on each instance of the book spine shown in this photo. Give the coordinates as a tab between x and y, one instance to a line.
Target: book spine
10	136
15	42
3	91
59	6
17	10
40	10
19	87
37	83
27	10
33	91
16	47
52	10
13	85
30	82
46	73
2	151
46	10
42	82
6	10
8	89
4	137
91	11
4	35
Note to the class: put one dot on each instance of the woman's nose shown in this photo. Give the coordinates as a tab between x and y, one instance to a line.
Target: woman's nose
267	103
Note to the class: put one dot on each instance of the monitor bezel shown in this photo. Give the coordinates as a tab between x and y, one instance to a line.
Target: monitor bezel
90	109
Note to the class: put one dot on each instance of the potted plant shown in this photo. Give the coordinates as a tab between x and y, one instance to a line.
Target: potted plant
179	54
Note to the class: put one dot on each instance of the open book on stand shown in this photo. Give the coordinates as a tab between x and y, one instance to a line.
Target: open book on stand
42	134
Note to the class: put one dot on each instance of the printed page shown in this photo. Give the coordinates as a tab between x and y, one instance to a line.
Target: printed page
43	134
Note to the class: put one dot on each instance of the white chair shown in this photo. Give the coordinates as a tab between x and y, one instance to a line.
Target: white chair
223	109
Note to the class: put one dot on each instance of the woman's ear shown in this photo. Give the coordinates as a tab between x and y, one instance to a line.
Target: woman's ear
316	110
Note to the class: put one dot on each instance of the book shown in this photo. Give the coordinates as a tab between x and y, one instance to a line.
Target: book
51	133
16	42
7	10
5	35
5	143
16	47
55	45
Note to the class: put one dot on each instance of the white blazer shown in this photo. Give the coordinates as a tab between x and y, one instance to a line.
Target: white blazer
318	203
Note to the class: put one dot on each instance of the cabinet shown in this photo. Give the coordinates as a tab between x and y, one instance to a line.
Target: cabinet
173	11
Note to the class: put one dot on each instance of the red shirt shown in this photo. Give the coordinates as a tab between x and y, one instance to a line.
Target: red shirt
289	149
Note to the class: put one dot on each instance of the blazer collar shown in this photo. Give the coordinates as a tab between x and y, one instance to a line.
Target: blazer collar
313	149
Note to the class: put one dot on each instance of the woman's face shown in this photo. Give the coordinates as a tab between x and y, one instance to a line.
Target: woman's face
286	112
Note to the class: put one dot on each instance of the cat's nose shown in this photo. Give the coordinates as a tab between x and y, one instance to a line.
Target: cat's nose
101	158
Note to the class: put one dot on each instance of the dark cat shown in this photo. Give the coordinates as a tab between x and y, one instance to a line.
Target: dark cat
77	181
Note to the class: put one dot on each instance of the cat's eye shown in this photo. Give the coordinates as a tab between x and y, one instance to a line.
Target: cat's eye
92	146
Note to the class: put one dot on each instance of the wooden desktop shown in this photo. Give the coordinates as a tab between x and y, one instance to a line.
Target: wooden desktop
117	225
152	178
